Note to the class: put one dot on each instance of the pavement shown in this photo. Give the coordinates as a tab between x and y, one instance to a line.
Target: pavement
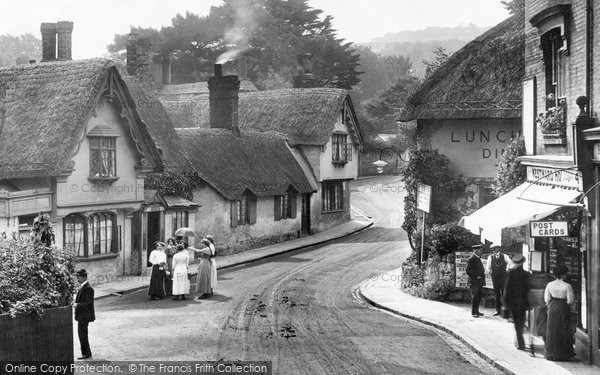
493	338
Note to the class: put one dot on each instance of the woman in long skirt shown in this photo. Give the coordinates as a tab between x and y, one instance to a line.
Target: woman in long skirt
181	284
559	296
213	263
203	286
158	259
170	250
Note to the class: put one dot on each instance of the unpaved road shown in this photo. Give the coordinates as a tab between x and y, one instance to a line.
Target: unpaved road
298	310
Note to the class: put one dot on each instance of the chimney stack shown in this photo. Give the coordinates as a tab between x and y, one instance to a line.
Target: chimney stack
304	78
48	41
157	70
138	55
223	99
64	29
166	68
242	66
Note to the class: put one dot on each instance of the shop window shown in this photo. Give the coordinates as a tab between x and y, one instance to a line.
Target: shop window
486	195
103	157
243	210
332	196
285	206
93	235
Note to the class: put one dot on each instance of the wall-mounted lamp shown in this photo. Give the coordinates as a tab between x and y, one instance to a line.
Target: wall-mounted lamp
380	163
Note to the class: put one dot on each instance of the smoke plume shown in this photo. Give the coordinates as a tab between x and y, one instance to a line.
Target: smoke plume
237	36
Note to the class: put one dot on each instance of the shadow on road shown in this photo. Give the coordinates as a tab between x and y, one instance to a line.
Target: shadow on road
377	234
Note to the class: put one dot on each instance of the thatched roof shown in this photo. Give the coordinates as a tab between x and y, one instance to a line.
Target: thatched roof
187	103
305	116
481	80
47	106
157	121
259	162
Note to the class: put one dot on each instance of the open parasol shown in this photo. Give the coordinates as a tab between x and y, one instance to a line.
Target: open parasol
185	232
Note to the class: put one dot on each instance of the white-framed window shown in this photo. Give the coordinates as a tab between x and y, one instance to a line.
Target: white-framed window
243	210
103	157
332	196
341	151
554	53
91	235
285	206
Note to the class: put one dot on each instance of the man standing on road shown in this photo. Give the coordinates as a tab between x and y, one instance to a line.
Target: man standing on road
516	289
84	312
496	266
476	279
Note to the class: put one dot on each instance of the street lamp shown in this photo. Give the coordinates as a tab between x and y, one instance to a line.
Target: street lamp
380	163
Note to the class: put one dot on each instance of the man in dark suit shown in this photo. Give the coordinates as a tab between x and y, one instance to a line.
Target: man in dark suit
516	288
84	312
476	279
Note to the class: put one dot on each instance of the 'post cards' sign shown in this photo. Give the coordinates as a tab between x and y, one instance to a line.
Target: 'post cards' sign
549	228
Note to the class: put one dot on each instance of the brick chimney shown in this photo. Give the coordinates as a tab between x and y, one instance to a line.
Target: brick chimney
64	29
138	55
157	70
304	78
166	68
223	99
48	41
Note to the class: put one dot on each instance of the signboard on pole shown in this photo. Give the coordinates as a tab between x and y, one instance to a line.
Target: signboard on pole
460	263
424	198
549	228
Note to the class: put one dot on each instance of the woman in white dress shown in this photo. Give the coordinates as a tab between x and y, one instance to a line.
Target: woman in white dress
213	263
181	284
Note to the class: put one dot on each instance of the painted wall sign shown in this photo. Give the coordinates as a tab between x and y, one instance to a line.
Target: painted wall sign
424	198
553	176
549	228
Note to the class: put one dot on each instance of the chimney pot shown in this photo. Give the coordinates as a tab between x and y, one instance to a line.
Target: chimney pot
304	78
218	70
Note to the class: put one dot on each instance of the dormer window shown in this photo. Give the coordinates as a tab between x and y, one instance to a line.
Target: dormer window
103	153
341	149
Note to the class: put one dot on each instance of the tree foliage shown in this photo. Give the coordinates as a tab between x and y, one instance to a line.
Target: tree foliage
510	173
271	32
419	170
440	57
34	277
25	46
514	6
173	182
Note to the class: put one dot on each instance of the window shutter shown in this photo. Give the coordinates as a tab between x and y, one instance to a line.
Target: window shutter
251	210
293	203
277	210
234	217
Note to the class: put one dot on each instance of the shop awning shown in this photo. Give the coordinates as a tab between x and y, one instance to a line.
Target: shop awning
526	202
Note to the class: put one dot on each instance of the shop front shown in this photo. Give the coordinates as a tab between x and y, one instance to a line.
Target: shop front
550	211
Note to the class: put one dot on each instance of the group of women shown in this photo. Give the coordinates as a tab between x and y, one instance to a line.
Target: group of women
170	263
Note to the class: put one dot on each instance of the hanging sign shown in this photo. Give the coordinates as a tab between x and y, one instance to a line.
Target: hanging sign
549	228
424	198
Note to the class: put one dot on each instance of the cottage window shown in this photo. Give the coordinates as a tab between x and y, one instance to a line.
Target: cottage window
25	225
332	196
285	206
93	235
243	211
180	219
103	157
341	149
554	52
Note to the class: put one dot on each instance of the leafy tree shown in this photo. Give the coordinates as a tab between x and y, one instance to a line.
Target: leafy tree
42	231
514	6
510	173
24	46
442	181
271	32
440	57
173	182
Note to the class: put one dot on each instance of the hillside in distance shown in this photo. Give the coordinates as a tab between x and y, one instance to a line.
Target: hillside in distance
420	44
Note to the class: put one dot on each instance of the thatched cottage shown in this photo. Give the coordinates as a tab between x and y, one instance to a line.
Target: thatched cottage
73	144
319	124
469	108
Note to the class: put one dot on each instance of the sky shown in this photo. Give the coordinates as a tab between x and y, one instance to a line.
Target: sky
97	21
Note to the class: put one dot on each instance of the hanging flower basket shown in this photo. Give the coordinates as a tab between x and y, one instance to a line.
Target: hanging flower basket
553	123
